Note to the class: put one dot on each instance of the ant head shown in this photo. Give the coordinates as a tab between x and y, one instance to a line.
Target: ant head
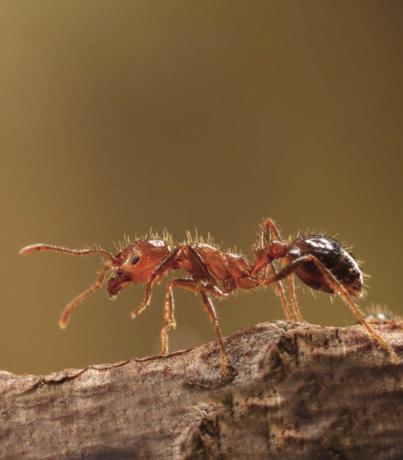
136	263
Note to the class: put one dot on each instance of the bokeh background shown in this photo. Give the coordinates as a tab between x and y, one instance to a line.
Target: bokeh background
118	116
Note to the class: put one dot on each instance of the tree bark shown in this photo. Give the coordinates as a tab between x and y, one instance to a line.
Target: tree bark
297	391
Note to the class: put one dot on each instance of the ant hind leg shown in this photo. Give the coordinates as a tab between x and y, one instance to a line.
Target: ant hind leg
339	289
293	298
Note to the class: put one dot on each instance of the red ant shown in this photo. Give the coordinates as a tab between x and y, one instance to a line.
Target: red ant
319	261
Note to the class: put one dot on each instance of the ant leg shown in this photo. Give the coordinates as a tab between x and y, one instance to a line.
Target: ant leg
71	306
157	274
269	228
168	263
339	289
279	290
197	286
210	310
293	298
169	319
193	286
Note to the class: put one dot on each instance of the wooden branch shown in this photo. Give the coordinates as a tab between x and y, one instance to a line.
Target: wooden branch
297	391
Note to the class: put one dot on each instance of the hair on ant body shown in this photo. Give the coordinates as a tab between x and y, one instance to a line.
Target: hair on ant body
318	261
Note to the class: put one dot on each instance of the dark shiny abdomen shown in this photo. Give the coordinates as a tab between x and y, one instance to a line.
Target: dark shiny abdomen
333	256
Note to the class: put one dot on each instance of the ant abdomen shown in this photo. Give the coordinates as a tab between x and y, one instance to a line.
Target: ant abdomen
333	256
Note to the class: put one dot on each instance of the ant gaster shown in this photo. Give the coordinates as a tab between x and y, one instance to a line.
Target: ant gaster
319	261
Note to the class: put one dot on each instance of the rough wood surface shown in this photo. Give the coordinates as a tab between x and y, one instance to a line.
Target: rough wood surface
297	391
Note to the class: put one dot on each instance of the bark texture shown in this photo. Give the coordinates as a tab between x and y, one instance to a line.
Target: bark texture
297	391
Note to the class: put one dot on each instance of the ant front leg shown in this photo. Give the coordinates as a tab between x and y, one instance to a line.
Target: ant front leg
339	289
158	273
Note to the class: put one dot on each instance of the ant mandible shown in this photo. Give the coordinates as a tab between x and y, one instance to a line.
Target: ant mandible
320	262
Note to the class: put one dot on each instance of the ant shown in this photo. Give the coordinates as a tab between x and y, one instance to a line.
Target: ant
319	261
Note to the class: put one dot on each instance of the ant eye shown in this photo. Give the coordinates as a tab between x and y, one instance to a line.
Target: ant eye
135	259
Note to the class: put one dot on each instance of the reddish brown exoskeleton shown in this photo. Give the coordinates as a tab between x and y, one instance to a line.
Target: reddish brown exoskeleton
320	262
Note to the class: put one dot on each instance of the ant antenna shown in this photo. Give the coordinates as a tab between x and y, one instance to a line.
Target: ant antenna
73	252
72	305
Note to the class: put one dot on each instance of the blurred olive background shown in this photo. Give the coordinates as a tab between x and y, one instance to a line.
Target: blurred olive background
118	116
